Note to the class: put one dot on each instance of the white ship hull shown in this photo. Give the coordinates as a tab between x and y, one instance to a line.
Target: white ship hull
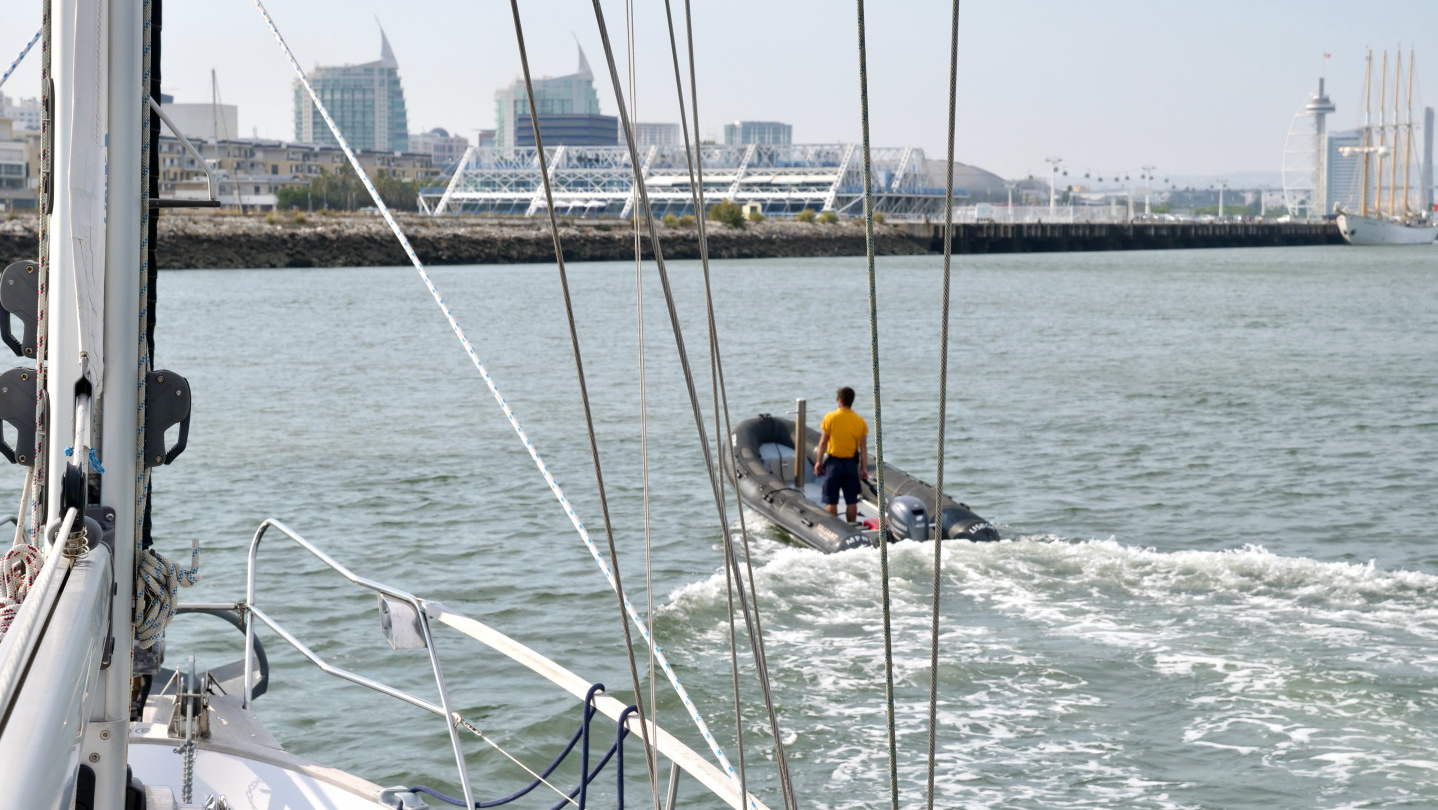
1372	231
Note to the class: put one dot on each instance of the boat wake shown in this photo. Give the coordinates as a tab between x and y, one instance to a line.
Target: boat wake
1080	673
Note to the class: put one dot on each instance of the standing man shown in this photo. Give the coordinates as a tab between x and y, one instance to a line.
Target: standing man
844	449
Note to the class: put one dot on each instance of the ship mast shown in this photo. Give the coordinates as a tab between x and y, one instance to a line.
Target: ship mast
1382	134
1367	129
1408	138
1393	165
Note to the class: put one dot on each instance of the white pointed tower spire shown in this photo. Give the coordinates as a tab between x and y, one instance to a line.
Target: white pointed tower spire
584	71
386	54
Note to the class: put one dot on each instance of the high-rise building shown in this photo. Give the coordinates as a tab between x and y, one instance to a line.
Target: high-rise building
743	133
366	101
1343	173
657	135
568	112
444	149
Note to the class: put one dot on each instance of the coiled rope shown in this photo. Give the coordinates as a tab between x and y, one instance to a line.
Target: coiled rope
21	57
878	416
609	573
18	569
157	581
719	391
588	413
943	403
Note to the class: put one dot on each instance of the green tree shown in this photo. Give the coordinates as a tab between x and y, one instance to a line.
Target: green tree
828	217
728	212
807	215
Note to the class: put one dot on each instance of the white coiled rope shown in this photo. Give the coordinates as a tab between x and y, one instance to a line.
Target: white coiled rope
158	581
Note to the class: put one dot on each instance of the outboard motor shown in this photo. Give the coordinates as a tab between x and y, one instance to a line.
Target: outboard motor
908	519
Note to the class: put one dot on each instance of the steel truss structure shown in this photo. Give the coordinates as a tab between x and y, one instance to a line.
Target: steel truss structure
598	181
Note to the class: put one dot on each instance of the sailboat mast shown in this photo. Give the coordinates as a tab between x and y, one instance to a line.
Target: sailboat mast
1367	129
1393	164
1382	134
1408	138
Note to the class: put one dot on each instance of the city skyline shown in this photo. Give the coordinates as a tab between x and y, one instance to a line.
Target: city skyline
1107	86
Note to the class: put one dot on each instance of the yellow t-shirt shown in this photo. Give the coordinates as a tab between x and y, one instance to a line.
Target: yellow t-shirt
845	429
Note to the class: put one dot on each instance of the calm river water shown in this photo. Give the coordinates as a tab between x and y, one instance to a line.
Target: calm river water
1215	471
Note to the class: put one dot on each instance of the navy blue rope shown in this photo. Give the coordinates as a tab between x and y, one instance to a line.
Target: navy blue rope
616	752
619	734
582	731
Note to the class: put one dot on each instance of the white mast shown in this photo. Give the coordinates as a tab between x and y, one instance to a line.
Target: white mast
107	734
1393	164
1367	130
1382	134
1408	137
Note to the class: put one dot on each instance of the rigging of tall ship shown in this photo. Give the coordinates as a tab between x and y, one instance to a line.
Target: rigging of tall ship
1386	215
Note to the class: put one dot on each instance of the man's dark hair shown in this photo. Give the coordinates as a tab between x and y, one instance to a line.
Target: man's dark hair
846	397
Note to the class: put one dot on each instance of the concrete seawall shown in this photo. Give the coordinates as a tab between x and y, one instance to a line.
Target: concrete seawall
995	237
206	240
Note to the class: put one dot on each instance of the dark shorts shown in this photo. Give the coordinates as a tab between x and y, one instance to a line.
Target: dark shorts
841	475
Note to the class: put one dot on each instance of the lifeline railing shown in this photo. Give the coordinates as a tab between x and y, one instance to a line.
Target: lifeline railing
680	755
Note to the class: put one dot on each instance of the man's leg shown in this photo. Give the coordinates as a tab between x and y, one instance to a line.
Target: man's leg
851	511
831	508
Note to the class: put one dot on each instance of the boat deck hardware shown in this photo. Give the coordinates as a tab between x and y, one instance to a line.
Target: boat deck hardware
19	296
167	403
17	409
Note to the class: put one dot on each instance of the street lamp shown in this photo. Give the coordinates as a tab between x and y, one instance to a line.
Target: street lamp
1147	191
1053	182
1222	185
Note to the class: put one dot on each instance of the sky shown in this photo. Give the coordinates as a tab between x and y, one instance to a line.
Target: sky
1195	89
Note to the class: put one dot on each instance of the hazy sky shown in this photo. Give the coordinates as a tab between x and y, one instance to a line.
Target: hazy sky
1193	88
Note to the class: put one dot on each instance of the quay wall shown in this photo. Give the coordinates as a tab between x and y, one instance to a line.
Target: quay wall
1041	237
208	240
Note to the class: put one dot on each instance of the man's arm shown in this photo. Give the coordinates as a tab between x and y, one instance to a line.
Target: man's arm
864	457
819	452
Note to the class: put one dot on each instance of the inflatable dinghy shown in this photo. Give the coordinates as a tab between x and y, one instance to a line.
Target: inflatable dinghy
769	484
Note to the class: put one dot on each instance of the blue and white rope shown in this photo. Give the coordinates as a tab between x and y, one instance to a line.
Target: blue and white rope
508	412
21	57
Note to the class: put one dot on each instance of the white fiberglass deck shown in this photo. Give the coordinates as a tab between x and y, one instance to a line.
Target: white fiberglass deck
242	763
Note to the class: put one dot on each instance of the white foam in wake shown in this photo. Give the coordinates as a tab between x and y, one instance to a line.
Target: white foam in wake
1079	673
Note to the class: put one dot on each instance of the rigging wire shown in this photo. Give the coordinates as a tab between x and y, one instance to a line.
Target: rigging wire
937	513
729	571
22	55
717	387
650	762
650	758
878	415
609	572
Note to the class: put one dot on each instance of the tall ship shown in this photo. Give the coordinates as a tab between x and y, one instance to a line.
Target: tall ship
1386	215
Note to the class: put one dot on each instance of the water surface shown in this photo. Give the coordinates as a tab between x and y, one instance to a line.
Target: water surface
1215	470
